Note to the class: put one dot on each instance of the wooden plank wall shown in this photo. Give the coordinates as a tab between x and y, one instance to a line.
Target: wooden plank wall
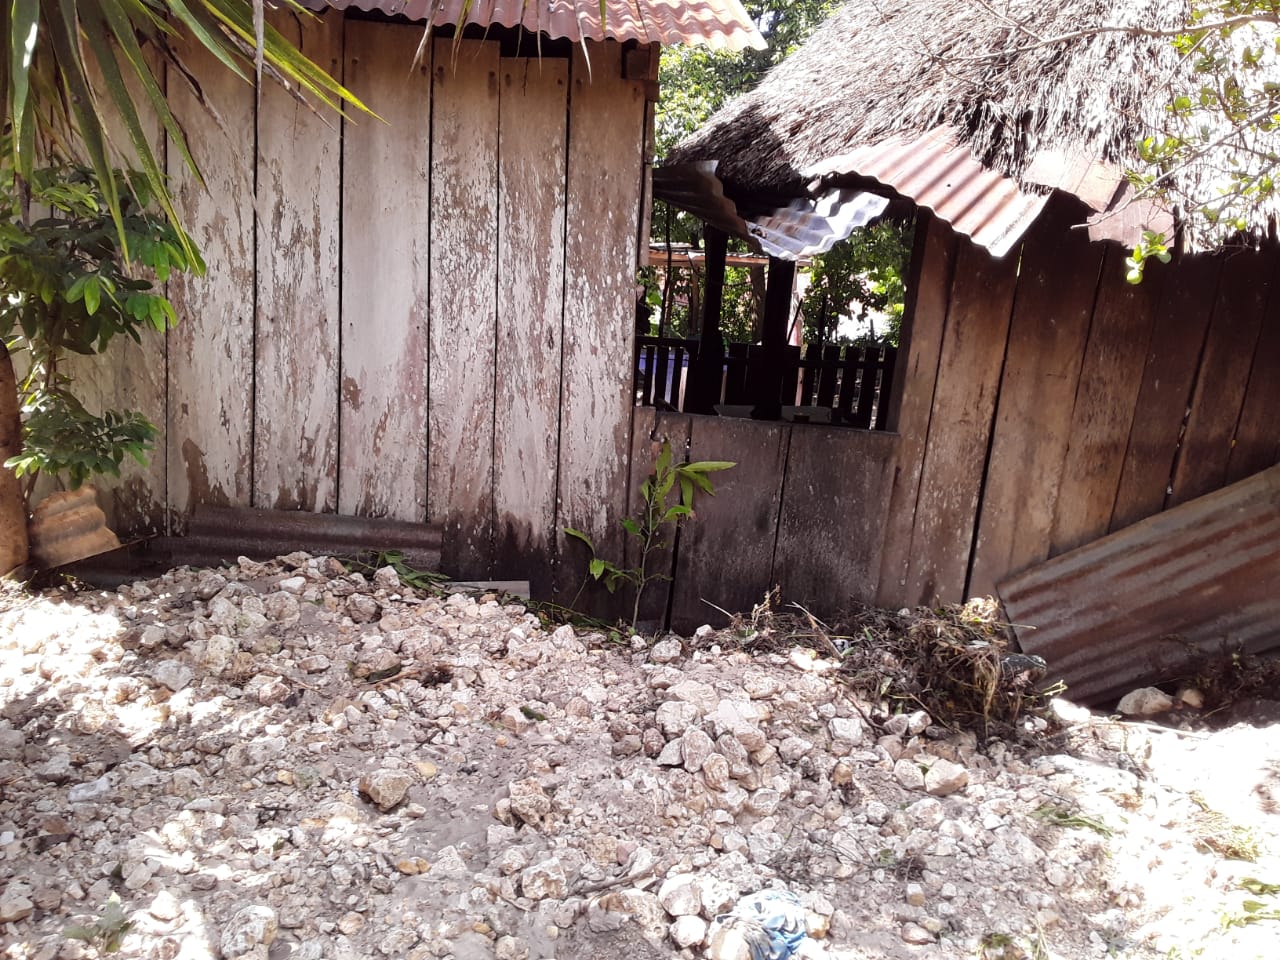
804	509
391	303
1099	403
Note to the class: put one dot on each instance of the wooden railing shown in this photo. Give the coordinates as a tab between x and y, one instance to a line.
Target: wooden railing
848	385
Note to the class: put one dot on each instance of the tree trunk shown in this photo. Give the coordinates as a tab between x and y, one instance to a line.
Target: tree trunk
13	507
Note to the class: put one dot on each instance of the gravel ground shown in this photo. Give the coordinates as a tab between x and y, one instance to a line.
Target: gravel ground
288	760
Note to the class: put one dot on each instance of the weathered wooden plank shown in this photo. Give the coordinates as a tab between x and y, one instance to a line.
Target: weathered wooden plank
295	437
1138	605
210	412
1187	290
1223	376
830	535
530	311
129	376
382	466
606	137
726	551
464	269
928	293
649	429
1257	440
964	399
1053	307
1101	422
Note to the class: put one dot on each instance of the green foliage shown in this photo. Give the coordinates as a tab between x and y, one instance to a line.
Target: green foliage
1152	245
654	527
106	934
697	81
1224	121
865	273
61	437
68	287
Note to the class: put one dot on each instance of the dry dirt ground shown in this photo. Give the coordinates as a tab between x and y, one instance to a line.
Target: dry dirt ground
293	761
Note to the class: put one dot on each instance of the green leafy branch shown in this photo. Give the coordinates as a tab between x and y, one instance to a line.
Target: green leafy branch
655	525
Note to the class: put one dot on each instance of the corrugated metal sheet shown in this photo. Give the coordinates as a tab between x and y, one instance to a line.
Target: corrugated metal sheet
220	534
1137	606
805	227
720	24
934	172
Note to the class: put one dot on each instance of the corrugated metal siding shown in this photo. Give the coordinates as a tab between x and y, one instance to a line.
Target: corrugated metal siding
720	24
1137	606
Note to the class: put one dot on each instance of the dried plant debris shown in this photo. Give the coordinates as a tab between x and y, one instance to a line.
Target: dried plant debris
1229	676
955	662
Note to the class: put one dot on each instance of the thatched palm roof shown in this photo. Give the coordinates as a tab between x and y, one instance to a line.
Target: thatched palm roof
1064	114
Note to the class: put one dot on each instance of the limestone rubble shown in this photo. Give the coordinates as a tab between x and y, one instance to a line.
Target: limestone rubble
289	760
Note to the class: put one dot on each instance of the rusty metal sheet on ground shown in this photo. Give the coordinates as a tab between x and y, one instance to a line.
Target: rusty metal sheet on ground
1140	604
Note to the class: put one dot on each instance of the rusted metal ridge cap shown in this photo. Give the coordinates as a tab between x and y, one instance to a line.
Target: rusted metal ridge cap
802	228
935	172
719	24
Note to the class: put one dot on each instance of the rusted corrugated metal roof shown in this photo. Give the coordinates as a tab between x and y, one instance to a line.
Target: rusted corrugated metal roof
802	228
720	24
934	171
1138	606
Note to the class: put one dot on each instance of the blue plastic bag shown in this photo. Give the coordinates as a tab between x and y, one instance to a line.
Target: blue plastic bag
772	922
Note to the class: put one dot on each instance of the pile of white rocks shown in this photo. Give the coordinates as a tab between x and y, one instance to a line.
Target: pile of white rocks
291	760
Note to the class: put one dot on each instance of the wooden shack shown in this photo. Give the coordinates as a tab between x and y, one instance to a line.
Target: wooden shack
1040	401
426	316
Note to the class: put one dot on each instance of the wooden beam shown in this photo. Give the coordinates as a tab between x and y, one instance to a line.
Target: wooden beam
703	392
777	314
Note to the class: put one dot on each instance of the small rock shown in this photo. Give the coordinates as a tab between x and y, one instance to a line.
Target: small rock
915	894
14	906
292	584
385	788
172	674
715	771
908	774
944	778
914	933
92	790
793	748
679	895
696	747
1066	712
674	717
275	690
672	754
1145	702
249	927
412	866
728	943
666	651
508	947
57	769
1191	697
543	881
165	906
846	729
529	801
695	692
689	931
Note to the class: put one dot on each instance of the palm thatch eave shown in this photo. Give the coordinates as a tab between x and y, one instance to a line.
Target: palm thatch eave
1067	114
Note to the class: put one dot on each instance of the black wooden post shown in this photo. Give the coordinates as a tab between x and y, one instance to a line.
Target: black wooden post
707	370
767	393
